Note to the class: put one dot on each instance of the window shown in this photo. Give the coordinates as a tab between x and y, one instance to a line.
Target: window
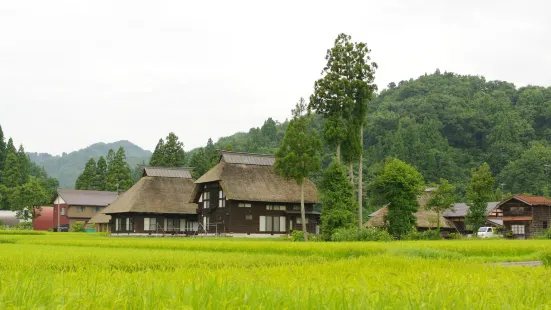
80	209
221	199
276	208
172	224
296	208
299	220
96	209
244	205
248	216
272	223
149	224
206	200
206	222
183	224
516	210
129	224
517	229
192	225
117	224
63	211
544	225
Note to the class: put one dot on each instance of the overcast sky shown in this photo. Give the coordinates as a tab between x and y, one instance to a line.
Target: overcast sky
73	73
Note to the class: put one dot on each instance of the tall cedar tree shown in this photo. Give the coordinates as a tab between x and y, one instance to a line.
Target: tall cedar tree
24	164
299	154
338	205
199	162
441	199
119	177
211	154
157	159
87	179
341	96
479	192
170	153
399	184
100	179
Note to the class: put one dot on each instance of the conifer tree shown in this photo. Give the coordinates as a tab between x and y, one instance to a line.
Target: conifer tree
299	154
10	147
338	205
199	162
210	153
12	171
100	180
86	180
24	164
119	176
157	159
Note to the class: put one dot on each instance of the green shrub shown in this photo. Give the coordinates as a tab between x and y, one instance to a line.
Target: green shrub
455	236
364	234
298	235
24	226
77	227
431	234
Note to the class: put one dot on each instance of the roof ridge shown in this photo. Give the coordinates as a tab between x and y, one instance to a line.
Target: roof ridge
245	153
169	168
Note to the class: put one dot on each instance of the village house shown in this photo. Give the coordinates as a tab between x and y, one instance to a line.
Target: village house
158	204
243	196
459	211
526	216
425	219
71	206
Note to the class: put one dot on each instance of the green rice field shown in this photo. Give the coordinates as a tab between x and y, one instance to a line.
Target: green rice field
91	271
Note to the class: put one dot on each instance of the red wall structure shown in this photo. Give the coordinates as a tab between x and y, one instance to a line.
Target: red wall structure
45	220
63	220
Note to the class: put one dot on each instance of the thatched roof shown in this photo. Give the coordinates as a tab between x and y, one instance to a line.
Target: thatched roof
251	177
100	218
168	195
424	218
166	172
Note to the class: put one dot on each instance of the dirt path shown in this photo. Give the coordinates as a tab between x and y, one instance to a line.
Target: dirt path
532	263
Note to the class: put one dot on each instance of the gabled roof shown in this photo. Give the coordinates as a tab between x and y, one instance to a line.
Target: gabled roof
461	209
246	158
156	195
532	200
251	177
184	173
74	197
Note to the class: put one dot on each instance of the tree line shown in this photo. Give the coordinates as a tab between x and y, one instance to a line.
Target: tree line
111	174
24	186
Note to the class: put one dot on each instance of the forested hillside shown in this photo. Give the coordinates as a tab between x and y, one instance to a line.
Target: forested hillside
444	124
67	167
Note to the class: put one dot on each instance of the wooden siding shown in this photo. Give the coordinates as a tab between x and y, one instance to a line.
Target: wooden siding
234	219
137	220
87	212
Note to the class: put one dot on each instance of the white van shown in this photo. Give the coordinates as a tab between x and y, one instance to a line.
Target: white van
485	232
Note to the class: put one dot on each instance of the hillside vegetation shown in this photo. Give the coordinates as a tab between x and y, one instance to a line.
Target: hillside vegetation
67	167
444	124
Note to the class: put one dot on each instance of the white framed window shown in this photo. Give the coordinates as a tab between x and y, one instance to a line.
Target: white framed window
206	222
296	208
117	224
244	205
80	209
206	200
299	220
248	216
276	208
183	224
63	211
192	225
517	229
149	224
128	224
272	223
221	199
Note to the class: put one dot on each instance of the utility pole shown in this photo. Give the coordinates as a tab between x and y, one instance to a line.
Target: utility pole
58	212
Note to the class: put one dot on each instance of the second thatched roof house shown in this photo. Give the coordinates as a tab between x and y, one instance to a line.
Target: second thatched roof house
159	203
242	195
426	219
